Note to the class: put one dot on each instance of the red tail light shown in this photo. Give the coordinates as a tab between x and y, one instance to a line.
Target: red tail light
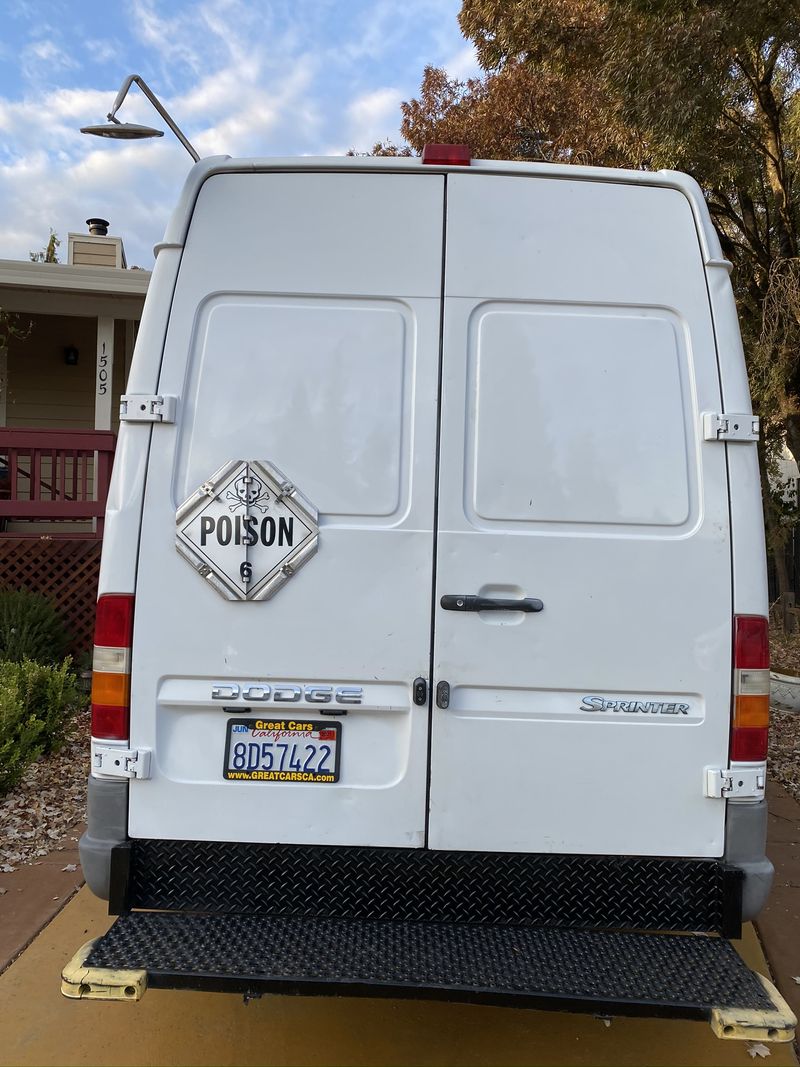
749	735
458	155
111	667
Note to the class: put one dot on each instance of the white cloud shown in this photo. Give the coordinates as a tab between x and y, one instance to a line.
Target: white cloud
49	52
45	58
463	64
251	118
201	37
375	106
134	186
104	50
375	34
166	37
284	77
374	116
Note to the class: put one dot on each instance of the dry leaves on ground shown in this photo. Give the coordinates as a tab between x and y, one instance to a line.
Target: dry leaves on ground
48	801
784	730
784	750
784	650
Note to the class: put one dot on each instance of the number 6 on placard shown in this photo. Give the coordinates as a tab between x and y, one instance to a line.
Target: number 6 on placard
246	571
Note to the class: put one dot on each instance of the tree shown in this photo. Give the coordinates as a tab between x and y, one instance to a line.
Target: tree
711	87
49	254
11	326
384	148
518	113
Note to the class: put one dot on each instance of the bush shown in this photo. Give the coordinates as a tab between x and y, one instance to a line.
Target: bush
37	704
30	628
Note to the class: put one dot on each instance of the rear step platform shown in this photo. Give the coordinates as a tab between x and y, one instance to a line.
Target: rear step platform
674	975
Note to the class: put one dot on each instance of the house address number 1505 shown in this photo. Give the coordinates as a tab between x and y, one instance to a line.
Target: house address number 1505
102	371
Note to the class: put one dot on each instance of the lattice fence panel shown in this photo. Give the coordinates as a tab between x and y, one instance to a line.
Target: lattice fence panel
65	571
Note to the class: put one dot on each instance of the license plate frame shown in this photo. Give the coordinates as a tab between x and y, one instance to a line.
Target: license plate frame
292	733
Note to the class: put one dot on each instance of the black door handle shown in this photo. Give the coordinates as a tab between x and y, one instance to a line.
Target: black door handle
457	602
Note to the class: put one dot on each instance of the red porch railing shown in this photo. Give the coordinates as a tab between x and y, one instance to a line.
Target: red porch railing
54	476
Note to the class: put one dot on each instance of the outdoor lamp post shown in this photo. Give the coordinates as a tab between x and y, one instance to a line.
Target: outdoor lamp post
130	130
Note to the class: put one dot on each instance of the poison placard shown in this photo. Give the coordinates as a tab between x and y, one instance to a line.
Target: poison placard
247	530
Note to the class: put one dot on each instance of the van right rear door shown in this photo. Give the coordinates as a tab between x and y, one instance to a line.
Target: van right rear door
579	356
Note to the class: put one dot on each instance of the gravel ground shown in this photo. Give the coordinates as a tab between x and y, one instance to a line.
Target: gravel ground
784	651
784	732
784	750
47	803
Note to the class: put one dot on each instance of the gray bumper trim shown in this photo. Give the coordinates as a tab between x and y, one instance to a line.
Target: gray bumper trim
107	826
746	835
745	848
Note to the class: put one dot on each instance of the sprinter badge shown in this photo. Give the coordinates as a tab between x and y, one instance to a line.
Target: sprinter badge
247	530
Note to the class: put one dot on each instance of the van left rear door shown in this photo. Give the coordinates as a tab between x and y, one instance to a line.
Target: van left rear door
304	333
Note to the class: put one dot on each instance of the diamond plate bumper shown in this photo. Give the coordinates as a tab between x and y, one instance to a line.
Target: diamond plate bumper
521	966
419	885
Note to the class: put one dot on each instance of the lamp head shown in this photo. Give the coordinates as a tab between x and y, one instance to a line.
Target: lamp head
131	131
122	131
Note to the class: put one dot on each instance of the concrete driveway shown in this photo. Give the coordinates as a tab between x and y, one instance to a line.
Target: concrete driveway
38	1026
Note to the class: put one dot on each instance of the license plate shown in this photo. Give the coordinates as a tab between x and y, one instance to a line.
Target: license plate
282	750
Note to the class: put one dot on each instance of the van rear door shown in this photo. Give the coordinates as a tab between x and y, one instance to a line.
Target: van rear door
578	358
304	332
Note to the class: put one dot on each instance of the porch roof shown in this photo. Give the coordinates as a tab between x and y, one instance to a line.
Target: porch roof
59	289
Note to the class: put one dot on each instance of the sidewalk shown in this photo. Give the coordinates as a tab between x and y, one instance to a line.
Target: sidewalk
36	892
38	1026
779	922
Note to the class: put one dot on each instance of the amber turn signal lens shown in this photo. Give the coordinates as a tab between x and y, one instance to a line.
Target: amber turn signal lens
114	689
751	711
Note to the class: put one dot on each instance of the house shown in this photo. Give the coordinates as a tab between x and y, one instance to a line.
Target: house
62	371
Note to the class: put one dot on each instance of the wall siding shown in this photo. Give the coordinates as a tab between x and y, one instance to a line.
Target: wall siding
42	389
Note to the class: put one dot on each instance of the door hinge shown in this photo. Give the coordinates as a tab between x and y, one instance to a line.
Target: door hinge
420	690
115	762
443	695
147	407
726	427
735	783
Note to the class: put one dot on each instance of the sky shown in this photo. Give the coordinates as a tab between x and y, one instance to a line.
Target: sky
240	77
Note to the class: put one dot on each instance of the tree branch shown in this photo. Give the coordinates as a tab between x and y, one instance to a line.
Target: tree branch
772	59
743	128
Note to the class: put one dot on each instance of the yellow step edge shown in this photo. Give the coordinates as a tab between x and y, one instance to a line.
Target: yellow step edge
751	1024
79	982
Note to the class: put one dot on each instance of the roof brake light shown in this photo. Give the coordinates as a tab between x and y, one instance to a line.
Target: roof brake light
455	155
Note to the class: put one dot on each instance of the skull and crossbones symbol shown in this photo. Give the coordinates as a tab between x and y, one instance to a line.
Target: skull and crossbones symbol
250	493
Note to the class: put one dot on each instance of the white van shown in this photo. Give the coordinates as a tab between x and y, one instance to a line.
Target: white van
432	619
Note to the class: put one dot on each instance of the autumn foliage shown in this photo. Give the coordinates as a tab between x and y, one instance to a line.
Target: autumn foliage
710	87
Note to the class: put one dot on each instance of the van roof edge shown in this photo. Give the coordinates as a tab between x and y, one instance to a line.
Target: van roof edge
175	233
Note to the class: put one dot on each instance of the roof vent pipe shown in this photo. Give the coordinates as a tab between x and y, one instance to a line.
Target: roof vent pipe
98	227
